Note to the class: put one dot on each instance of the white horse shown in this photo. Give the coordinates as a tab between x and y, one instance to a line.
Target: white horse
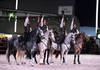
43	44
65	47
54	46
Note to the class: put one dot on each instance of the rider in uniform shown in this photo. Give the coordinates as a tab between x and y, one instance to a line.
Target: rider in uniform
75	30
74	27
27	29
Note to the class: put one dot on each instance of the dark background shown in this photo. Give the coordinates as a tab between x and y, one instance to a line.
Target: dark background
83	9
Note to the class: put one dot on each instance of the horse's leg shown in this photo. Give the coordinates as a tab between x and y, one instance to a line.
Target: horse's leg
62	54
42	51
14	54
51	55
48	52
35	57
8	56
33	54
41	57
17	56
64	57
78	59
44	56
23	57
75	58
63	50
28	54
63	60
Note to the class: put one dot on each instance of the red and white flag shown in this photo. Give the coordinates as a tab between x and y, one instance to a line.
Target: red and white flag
71	27
62	22
41	23
26	20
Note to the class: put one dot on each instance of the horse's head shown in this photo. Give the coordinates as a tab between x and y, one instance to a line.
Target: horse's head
51	35
72	37
84	36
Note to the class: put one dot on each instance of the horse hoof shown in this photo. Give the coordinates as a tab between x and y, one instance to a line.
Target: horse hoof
48	63
24	62
9	63
36	62
32	65
42	63
74	63
52	62
79	63
17	63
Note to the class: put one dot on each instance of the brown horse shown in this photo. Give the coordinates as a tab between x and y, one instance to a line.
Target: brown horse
79	42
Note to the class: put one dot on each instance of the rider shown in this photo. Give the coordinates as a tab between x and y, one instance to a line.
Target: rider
75	30
74	27
27	28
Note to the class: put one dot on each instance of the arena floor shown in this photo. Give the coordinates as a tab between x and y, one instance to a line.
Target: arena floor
88	62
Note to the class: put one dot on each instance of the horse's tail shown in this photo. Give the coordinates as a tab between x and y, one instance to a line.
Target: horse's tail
7	57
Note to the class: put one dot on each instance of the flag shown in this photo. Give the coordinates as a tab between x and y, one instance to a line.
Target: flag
62	22
71	27
41	23
26	21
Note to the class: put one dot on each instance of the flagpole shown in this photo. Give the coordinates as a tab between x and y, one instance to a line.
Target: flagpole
97	9
16	7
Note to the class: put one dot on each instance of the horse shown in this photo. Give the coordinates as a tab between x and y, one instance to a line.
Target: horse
11	49
48	50
55	45
65	46
29	46
78	45
19	54
44	43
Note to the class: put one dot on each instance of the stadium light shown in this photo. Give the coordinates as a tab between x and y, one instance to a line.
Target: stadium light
16	7
97	9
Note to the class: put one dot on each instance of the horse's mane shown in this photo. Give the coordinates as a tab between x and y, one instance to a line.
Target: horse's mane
78	36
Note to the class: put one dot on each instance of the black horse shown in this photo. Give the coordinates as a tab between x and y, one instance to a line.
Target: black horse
11	49
59	39
30	46
17	44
